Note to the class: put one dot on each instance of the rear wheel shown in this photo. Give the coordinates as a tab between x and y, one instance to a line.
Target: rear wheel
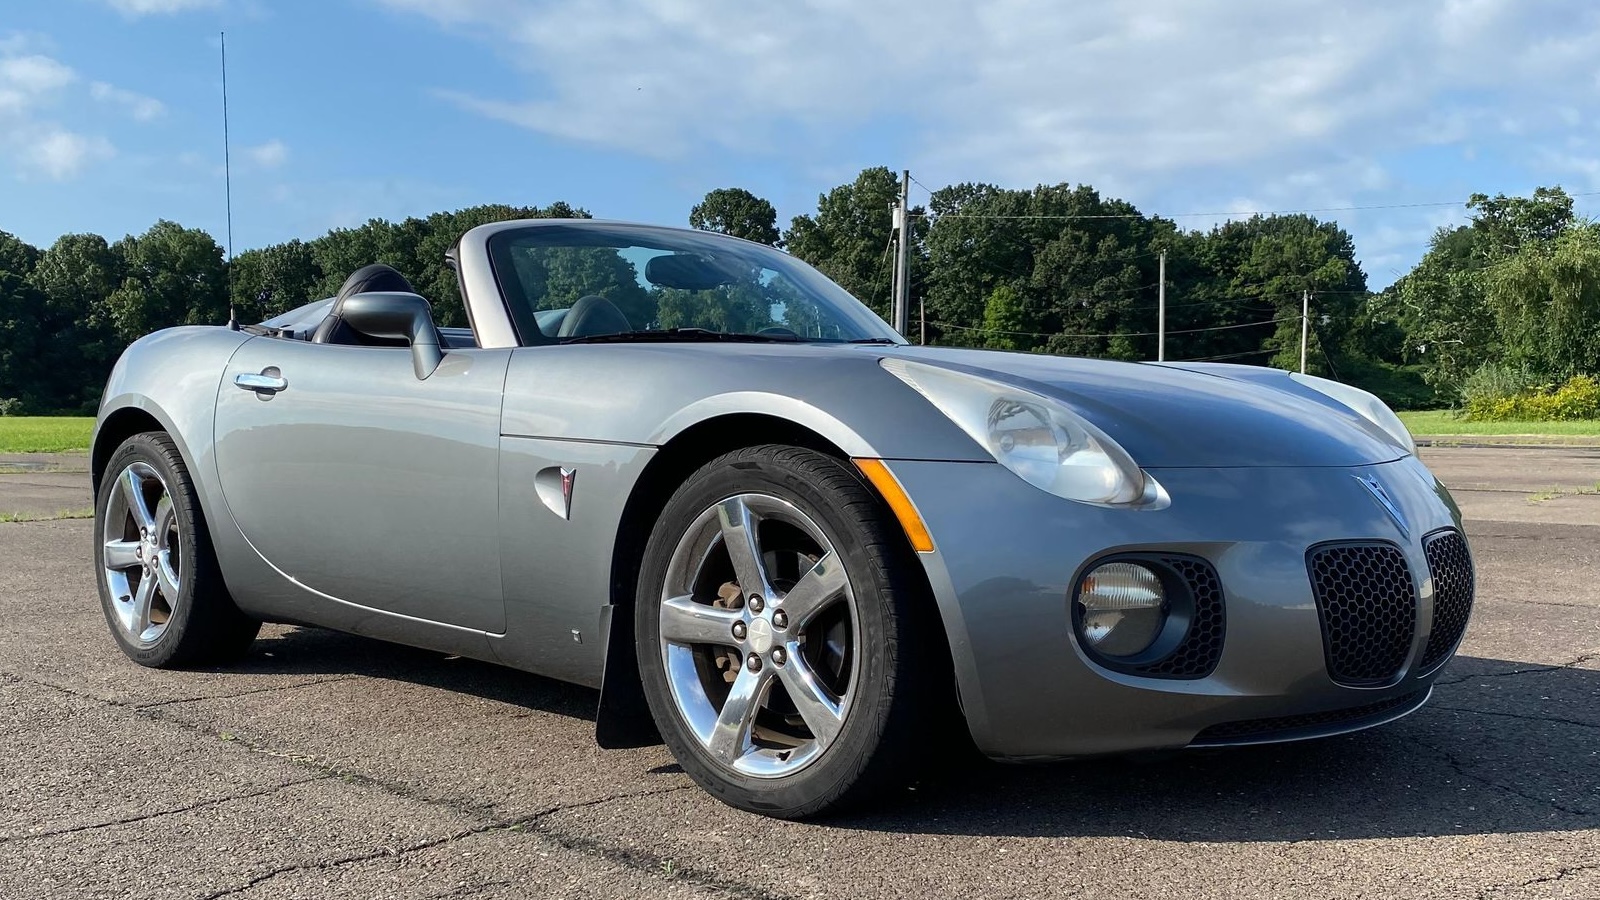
160	586
784	654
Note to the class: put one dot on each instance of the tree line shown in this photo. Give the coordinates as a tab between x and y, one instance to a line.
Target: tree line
1051	269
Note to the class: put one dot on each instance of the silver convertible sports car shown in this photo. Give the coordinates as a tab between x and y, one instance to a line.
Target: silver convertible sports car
694	473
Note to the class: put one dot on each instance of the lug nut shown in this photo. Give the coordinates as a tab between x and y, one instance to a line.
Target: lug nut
780	619
738	631
756	603
778	656
754	662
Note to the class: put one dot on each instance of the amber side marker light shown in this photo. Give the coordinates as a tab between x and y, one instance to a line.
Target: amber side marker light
889	488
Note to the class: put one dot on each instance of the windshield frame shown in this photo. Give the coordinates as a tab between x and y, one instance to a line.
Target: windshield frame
819	289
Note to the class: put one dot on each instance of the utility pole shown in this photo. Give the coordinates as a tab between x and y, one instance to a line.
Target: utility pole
902	260
1161	317
1305	326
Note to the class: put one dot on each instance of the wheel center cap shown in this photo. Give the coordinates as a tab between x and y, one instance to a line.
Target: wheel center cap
760	635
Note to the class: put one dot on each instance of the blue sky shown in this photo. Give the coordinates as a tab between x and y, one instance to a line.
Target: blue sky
344	110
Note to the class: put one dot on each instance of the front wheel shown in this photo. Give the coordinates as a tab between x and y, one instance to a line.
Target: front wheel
785	653
160	585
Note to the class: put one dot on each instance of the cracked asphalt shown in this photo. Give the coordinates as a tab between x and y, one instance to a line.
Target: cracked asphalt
333	766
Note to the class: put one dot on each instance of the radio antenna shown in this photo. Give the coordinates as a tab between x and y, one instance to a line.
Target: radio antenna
227	180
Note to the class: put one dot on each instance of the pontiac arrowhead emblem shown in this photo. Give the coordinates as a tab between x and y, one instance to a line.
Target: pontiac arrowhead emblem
567	477
1380	494
554	487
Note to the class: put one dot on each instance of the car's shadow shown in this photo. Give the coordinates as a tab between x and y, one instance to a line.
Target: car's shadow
1503	747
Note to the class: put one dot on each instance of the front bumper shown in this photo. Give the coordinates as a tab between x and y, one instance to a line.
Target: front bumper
1007	555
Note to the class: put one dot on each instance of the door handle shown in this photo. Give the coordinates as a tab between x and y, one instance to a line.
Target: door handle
268	382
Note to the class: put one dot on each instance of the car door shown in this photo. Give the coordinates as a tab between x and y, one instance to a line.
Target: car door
365	484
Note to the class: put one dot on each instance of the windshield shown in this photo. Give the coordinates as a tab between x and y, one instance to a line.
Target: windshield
575	282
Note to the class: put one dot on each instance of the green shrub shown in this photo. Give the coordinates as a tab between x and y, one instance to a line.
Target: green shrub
1578	398
1498	381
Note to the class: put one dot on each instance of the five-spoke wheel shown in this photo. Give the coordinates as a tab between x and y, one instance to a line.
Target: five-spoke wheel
141	552
758	630
160	585
787	650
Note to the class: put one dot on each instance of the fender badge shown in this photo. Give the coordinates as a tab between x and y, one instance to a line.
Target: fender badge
554	487
1376	489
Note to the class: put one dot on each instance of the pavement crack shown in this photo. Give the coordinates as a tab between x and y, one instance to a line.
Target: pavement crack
318	766
517	823
261	690
203	804
1572	664
1460	768
1563	873
1557	720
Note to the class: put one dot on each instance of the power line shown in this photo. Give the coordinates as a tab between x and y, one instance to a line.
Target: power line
1230	355
1234	213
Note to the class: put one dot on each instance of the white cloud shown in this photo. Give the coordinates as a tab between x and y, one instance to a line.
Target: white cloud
1298	103
158	7
32	86
60	154
1029	89
137	105
270	155
31	78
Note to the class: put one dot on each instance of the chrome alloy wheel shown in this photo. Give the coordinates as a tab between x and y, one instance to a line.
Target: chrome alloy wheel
140	552
758	635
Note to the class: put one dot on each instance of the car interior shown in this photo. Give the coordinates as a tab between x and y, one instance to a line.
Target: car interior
323	323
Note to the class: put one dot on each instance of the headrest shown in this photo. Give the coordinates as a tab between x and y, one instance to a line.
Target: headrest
376	278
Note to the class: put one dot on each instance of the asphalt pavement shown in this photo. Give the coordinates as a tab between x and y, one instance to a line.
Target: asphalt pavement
333	766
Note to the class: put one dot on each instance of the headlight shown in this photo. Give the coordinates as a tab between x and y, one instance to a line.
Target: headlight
1368	406
1043	442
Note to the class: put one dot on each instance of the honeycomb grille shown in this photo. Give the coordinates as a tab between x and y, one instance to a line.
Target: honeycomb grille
1202	646
1258	729
1450	564
1368	607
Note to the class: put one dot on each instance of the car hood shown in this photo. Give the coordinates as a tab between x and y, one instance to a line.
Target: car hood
1178	416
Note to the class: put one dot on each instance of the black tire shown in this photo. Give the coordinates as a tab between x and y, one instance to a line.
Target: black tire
900	693
201	625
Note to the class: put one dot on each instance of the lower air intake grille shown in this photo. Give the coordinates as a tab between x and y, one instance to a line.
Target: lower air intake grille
1368	607
1450	564
1202	646
1258	729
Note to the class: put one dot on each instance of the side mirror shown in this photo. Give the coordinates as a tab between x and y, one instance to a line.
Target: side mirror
397	317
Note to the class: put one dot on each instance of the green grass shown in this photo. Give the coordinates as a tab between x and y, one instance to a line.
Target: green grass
84	513
44	434
1445	422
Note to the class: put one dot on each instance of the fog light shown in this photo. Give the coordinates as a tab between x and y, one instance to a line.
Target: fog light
1122	609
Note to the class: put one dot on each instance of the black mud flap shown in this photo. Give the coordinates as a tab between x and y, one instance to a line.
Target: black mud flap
623	720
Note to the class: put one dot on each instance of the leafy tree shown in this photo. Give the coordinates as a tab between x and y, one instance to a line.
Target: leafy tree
737	212
1006	321
171	276
557	277
273	280
1546	303
20	332
1503	225
417	248
75	278
848	237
